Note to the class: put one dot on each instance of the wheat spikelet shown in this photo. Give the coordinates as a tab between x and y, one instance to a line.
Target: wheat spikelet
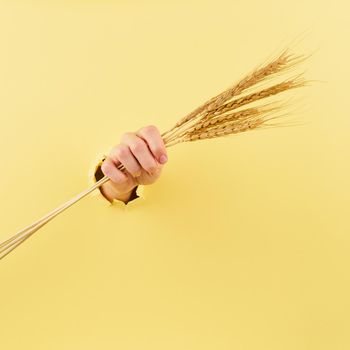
217	117
283	62
273	90
225	130
237	103
223	119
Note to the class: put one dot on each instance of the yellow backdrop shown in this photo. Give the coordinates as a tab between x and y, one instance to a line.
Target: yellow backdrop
243	243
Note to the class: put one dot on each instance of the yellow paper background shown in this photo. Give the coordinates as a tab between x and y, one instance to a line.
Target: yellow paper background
243	243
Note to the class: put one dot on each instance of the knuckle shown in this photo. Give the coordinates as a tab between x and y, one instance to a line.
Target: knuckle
121	151
126	135
137	146
150	128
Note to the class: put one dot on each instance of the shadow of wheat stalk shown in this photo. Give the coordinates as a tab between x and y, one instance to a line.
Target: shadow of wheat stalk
222	115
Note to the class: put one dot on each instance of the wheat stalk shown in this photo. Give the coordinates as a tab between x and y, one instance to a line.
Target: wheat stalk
218	117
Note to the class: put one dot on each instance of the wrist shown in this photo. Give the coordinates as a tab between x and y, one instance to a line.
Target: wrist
110	193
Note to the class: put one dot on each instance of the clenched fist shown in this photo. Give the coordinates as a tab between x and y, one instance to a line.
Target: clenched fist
143	154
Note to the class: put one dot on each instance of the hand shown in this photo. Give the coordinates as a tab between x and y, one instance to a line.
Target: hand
143	154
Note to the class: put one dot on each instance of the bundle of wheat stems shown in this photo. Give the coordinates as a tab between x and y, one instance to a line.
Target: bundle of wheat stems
222	115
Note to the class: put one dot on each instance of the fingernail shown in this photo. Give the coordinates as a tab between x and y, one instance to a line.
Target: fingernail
163	159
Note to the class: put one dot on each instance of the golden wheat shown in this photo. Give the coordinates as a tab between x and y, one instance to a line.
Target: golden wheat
218	117
284	62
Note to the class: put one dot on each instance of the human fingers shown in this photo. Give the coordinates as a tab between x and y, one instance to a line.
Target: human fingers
109	168
151	135
122	154
140	150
